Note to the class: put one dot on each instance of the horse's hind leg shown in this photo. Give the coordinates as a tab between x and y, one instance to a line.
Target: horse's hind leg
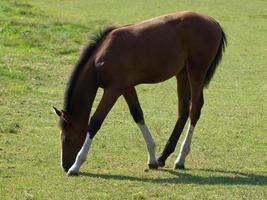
183	91
196	79
137	114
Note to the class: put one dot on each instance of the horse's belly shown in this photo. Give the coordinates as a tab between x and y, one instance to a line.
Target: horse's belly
155	75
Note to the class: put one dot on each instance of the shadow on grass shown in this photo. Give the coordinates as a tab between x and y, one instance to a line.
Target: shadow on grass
183	177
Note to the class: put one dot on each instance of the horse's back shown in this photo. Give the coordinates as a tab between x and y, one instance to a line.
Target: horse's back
157	49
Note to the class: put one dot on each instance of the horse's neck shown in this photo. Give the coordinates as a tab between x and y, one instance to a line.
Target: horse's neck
84	94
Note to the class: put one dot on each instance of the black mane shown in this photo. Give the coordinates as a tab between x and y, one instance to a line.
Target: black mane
96	39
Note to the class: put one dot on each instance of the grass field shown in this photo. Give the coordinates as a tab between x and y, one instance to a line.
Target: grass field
39	43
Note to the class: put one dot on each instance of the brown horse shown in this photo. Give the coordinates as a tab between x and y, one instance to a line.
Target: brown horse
186	45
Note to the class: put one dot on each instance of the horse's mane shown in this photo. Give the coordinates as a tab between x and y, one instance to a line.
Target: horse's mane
95	41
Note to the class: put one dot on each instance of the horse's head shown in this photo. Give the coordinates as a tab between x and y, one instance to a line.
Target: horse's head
71	137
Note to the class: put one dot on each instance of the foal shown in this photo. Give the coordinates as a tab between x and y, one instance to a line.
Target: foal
186	45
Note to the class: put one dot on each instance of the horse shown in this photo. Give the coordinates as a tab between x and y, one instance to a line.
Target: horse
186	45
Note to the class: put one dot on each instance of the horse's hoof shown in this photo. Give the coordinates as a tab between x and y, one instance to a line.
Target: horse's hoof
72	173
177	166
161	164
153	166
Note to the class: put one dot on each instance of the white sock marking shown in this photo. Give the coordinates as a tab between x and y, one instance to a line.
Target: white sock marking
149	143
185	148
81	156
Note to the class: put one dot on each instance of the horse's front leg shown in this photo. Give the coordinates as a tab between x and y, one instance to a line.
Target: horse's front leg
81	156
109	98
137	114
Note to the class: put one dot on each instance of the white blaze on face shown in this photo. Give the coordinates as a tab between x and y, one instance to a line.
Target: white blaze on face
61	153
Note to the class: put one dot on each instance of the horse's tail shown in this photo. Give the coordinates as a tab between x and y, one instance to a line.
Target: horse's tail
217	58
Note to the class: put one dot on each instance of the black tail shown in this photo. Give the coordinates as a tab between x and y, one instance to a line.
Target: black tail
216	60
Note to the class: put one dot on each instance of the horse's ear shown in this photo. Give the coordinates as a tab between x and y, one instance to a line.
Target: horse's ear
58	112
65	116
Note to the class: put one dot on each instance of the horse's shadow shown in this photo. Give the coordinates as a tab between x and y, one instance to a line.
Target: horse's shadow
216	177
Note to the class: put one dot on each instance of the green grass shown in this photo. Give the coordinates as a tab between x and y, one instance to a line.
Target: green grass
39	44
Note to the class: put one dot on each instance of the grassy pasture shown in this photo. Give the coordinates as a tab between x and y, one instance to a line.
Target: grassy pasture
39	43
